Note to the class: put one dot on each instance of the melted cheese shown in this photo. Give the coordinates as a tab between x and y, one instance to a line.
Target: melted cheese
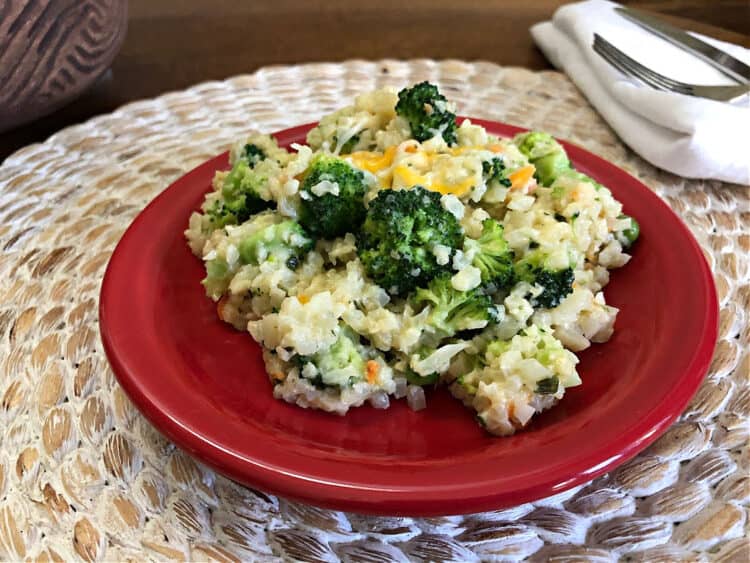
392	171
461	150
373	162
459	189
408	177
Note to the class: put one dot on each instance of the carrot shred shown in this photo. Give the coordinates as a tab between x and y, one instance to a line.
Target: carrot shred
495	147
302	298
371	369
521	177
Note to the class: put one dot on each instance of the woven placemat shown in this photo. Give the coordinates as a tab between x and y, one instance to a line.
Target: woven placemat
84	476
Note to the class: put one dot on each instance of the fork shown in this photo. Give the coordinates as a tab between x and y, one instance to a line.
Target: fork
631	67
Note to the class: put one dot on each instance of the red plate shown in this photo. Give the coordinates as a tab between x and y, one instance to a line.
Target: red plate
203	384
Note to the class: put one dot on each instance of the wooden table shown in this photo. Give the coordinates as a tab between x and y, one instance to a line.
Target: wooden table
172	44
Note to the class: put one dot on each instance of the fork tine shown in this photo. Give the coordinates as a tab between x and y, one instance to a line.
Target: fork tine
612	60
637	69
622	67
632	68
656	79
602	46
627	69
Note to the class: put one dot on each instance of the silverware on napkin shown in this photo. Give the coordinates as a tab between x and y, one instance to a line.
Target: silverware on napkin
724	62
658	81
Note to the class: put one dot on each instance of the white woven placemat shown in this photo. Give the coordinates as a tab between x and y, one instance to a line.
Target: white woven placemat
84	476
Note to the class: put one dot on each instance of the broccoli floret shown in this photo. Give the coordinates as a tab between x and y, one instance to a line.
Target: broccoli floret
628	236
416	379
581	177
452	310
541	345
545	153
548	385
265	237
492	255
494	171
340	365
427	112
240	196
253	154
399	232
338	206
556	283
286	241
347	147
218	275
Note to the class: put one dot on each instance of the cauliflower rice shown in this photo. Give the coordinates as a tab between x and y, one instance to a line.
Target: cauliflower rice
334	339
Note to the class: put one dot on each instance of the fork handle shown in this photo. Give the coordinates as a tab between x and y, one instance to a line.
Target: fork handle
722	93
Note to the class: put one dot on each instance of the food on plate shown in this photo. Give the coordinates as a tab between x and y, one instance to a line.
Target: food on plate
400	249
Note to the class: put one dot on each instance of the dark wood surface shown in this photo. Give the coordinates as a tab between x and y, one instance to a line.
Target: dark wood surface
172	44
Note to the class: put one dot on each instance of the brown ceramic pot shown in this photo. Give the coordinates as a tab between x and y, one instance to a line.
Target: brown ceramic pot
52	50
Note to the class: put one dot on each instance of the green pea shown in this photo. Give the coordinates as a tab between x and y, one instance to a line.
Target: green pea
631	233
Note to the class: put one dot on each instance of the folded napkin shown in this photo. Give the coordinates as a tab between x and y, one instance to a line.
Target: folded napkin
691	137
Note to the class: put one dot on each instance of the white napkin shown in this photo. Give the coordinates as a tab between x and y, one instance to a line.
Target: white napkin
691	137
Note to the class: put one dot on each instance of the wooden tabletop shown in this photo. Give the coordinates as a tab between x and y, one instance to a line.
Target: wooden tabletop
172	44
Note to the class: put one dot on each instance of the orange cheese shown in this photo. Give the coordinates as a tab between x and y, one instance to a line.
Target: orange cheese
373	161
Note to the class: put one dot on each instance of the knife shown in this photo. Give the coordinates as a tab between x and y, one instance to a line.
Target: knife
717	58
